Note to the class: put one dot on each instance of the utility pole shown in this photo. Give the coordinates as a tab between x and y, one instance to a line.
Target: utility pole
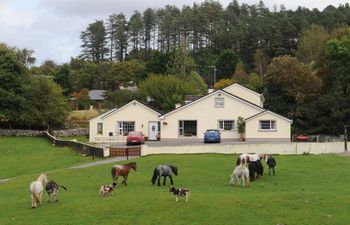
214	68
346	137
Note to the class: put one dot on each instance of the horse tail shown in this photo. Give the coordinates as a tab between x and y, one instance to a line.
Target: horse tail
114	173
63	187
154	177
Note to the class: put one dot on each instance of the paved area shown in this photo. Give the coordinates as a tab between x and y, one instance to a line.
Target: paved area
344	153
100	162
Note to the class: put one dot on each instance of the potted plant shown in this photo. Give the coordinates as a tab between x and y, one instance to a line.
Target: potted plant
241	128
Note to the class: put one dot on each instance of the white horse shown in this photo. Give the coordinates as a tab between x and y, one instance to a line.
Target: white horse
37	189
240	173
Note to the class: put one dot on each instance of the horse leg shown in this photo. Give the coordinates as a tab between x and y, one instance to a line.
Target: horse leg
33	200
171	180
39	199
56	195
164	180
159	180
48	197
125	178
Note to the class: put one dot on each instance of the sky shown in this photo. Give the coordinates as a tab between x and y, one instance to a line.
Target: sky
52	27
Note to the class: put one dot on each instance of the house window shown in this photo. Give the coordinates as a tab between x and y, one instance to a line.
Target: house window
125	127
226	124
219	102
188	128
99	128
267	125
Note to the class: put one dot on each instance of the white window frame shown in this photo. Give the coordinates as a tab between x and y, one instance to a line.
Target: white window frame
272	125
100	128
221	124
124	127
219	102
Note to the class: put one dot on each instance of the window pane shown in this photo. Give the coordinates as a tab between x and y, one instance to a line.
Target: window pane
273	125
265	124
99	128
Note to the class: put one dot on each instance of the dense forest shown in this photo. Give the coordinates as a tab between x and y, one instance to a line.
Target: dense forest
299	59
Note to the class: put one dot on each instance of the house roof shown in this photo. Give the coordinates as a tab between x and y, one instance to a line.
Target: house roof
132	102
213	93
97	94
267	111
247	89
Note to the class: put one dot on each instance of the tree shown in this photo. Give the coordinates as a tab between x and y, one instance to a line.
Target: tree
181	63
126	71
240	75
25	56
82	98
289	83
46	106
311	44
241	128
221	84
260	63
121	36
226	64
135	30
13	76
166	91
94	42
119	98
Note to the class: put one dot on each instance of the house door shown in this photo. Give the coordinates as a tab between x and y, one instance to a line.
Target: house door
152	131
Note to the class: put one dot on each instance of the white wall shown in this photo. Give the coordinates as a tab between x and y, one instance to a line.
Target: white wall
269	148
282	131
207	116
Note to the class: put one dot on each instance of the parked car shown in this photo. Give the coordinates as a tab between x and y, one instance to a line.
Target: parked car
212	135
302	138
135	137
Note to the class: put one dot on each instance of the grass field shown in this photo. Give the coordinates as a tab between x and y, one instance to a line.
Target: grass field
306	190
28	155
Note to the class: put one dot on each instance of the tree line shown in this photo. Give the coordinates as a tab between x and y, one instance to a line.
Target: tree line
298	59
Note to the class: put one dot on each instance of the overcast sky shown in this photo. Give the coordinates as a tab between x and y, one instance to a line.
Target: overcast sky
52	27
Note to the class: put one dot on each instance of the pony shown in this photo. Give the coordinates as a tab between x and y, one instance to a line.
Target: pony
256	169
52	188
36	189
240	174
122	170
180	192
163	170
271	162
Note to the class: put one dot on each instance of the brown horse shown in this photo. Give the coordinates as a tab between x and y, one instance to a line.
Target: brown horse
122	170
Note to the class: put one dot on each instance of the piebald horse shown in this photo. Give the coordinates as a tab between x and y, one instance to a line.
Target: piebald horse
36	189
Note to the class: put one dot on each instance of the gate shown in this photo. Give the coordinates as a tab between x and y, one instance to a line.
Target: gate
125	151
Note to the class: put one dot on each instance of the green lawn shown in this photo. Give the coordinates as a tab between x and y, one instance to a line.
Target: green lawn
28	155
306	190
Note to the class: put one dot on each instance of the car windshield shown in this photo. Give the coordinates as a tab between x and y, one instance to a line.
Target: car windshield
212	131
135	133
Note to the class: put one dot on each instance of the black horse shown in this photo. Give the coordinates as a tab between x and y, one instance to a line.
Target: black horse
256	169
163	170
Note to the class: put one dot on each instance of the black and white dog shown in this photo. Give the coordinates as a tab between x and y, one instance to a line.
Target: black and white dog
52	188
181	192
107	190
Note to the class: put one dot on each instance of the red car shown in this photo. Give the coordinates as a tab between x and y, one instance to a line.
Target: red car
135	137
302	138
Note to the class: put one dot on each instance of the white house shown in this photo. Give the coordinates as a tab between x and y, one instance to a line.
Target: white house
217	110
113	125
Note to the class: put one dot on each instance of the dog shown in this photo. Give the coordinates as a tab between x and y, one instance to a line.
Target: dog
52	188
106	190
271	162
181	192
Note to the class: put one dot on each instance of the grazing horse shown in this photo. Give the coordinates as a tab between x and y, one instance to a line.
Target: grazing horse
240	174
122	170
163	170
36	189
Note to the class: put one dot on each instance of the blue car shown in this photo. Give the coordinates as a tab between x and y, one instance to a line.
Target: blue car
212	135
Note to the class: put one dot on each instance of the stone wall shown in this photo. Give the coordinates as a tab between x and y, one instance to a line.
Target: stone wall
21	133
36	133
